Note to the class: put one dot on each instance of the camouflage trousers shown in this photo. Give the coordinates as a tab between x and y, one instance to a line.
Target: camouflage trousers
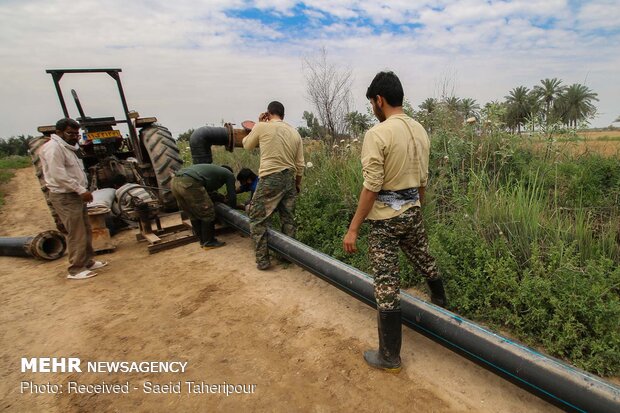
404	232
275	192
192	198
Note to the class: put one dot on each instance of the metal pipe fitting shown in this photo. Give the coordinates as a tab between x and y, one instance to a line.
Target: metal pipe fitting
48	245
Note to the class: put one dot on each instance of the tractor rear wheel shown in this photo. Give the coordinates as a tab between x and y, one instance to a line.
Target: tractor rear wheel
165	159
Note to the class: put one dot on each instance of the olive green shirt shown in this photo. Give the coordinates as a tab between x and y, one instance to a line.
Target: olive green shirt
395	156
280	147
212	177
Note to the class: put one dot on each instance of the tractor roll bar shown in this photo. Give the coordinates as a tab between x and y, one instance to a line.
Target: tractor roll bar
57	74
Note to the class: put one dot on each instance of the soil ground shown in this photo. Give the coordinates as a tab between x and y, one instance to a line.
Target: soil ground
297	338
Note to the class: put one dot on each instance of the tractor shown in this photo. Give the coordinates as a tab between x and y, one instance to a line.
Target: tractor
147	156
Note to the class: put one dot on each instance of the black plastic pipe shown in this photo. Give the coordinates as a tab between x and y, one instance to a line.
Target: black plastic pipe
48	245
201	140
555	381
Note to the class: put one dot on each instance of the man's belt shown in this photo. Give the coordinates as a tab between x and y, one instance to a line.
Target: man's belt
396	199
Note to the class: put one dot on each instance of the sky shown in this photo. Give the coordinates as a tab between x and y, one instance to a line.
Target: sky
196	62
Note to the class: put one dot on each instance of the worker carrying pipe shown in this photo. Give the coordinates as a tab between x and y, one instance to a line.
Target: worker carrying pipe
395	158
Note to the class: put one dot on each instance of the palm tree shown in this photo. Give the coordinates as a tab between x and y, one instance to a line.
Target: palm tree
493	113
617	119
519	107
575	104
535	109
453	104
470	108
549	92
358	123
429	105
428	113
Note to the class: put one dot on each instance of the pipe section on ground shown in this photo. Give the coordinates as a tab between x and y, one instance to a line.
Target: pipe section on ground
552	379
48	245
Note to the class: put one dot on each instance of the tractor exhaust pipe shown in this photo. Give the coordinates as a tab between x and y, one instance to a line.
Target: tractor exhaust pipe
553	380
48	245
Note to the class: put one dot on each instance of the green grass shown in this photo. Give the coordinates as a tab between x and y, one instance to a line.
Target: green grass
15	162
578	138
526	244
607	138
7	165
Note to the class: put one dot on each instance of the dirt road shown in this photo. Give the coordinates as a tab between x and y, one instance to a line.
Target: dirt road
296	338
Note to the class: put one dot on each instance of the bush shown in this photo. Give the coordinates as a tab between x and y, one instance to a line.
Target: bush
525	244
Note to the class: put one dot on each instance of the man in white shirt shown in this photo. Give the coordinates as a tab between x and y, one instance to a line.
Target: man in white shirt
68	192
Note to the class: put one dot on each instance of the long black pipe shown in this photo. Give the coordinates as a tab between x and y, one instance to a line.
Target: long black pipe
201	140
564	385
48	245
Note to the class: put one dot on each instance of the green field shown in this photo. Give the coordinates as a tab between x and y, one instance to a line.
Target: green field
527	241
7	165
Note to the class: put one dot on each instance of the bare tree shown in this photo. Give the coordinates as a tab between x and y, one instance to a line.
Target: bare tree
328	89
446	85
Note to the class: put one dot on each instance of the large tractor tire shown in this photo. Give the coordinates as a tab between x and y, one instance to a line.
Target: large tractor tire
35	145
165	159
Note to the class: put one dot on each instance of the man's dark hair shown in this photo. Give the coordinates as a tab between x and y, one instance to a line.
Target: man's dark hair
65	123
276	108
245	174
227	167
388	86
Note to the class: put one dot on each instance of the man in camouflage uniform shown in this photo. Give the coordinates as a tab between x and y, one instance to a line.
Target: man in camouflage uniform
395	158
191	186
280	171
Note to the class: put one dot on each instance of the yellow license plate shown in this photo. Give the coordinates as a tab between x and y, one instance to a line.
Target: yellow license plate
104	135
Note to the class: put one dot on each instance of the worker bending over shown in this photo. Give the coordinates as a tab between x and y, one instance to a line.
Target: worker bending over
191	187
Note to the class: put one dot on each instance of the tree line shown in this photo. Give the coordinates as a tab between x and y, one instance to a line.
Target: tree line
15	145
547	106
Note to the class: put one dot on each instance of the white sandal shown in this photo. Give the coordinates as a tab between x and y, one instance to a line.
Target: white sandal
82	275
97	264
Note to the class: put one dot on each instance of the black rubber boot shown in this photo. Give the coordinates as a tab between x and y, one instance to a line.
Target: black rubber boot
197	230
387	357
263	266
438	294
208	233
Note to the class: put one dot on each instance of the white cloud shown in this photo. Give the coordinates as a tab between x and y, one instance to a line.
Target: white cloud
281	6
600	15
190	62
